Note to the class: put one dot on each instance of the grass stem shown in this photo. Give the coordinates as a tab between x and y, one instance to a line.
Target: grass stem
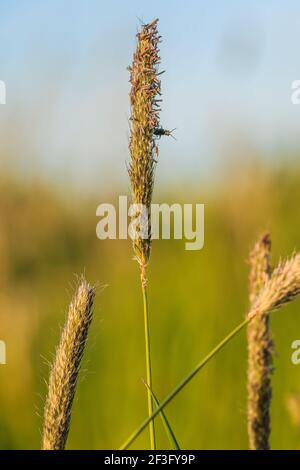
148	367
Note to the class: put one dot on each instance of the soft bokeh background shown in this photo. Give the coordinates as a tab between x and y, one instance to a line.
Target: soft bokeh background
63	147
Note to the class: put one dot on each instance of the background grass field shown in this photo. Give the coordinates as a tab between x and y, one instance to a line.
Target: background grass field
195	298
63	145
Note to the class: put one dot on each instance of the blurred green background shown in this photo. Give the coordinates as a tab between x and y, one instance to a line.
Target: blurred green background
63	146
195	299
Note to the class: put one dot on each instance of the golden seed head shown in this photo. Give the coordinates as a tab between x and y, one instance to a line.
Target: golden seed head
282	288
65	370
145	108
260	351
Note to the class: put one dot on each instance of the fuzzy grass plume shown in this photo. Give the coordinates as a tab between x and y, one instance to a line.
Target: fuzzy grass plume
65	370
260	347
282	287
144	120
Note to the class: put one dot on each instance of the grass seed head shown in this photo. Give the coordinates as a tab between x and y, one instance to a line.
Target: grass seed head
144	120
65	370
282	287
260	351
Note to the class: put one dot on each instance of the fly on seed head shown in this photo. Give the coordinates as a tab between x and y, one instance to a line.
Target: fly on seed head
160	131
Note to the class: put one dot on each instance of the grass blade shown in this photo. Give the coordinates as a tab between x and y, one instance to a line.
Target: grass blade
170	433
183	383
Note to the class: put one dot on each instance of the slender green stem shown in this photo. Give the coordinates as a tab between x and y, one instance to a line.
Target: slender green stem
148	368
183	383
169	430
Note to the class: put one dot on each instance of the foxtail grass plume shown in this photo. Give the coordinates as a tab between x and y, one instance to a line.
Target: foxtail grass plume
260	348
144	121
65	369
282	287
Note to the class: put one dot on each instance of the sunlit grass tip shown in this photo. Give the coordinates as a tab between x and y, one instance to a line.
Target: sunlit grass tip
65	369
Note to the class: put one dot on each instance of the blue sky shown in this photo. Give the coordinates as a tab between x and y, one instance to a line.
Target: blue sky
229	67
